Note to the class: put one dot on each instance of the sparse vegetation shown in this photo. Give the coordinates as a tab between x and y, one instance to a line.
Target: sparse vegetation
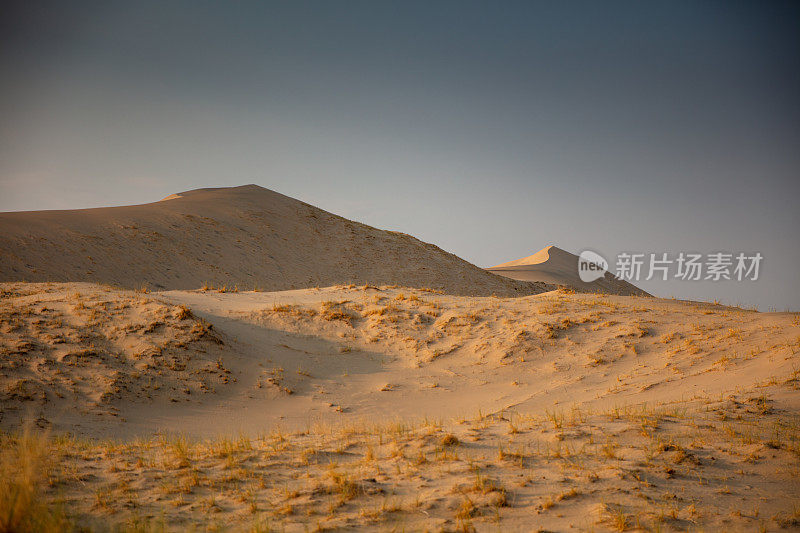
255	474
595	454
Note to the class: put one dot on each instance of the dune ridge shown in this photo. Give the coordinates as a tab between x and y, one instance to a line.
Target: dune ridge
244	236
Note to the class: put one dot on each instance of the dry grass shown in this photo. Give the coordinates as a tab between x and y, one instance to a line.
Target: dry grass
366	472
24	469
674	466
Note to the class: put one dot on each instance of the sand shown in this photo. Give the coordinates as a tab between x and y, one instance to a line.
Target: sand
397	408
236	360
246	236
558	267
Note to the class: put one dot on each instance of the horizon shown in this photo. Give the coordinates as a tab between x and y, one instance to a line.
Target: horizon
488	132
544	247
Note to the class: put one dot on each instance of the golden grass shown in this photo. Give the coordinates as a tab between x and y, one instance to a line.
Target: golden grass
24	467
361	471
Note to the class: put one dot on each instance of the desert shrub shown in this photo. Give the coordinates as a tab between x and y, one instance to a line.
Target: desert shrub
331	311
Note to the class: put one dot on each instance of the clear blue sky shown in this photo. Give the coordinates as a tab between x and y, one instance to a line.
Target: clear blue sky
490	129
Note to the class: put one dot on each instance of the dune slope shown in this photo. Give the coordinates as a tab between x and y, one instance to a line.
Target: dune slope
246	236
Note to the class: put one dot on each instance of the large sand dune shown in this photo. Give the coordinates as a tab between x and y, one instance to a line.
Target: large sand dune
246	236
556	266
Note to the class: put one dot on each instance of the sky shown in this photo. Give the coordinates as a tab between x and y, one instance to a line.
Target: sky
491	129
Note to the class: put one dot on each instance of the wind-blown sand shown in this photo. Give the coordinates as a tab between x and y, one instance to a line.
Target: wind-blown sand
389	408
558	267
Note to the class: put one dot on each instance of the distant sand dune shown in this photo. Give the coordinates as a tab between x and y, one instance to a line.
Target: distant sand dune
559	267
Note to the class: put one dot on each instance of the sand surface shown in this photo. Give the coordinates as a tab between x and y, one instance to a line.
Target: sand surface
249	362
246	236
558	267
390	408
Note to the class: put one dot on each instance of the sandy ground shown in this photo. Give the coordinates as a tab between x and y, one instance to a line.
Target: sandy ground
391	408
76	353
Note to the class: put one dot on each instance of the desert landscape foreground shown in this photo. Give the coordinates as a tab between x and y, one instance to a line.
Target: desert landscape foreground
361	379
390	408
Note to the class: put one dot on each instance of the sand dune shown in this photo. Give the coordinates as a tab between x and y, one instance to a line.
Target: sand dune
240	236
365	351
556	266
467	402
382	407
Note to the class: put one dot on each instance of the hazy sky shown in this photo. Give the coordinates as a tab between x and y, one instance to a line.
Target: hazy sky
489	128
